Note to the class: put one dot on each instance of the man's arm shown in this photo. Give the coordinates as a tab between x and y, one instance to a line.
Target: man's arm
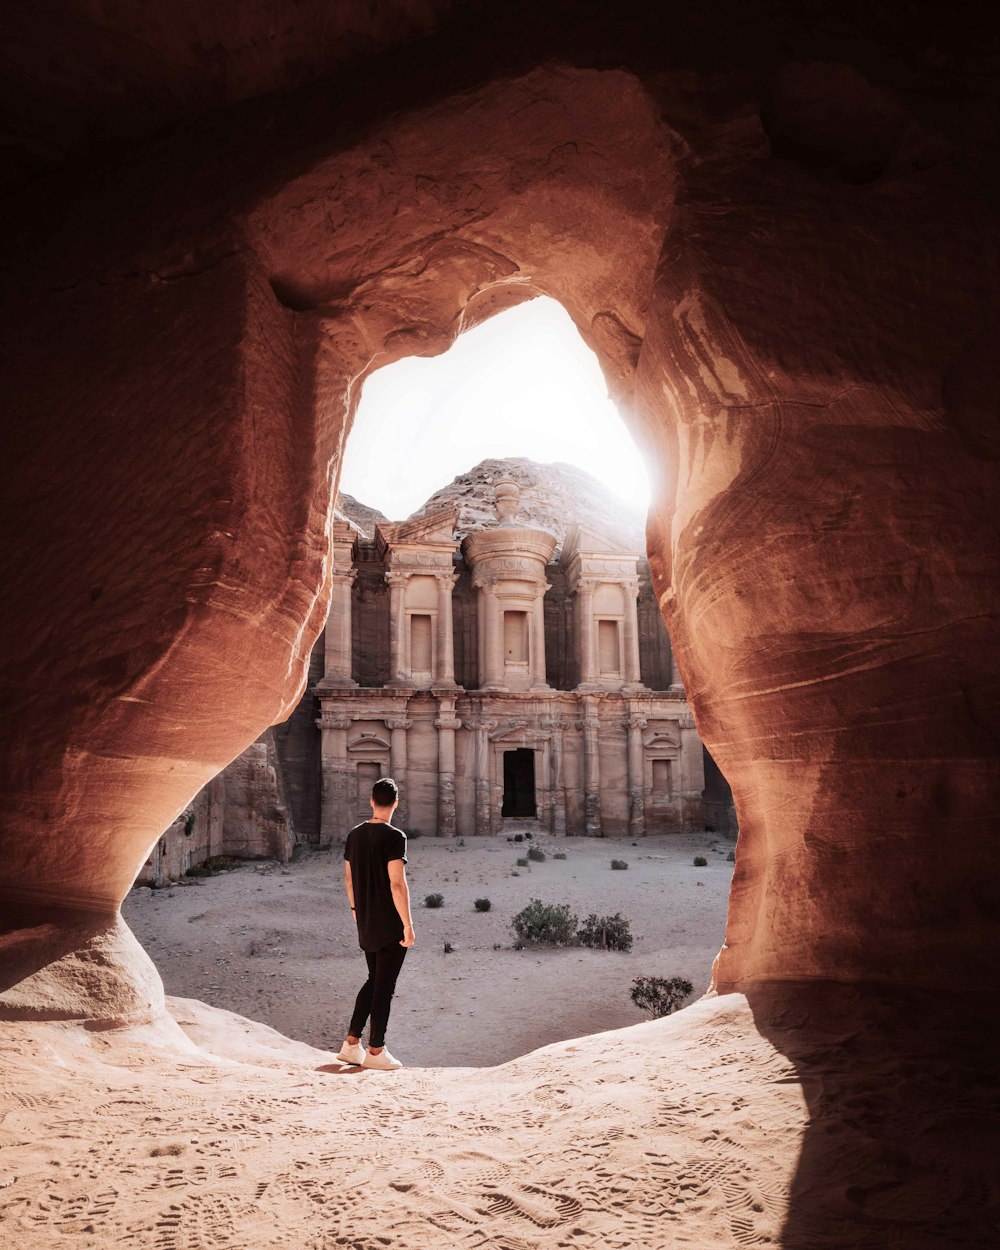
401	899
349	887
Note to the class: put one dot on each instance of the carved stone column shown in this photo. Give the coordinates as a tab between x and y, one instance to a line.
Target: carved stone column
632	668
491	660
335	814
397	726
591	769
536	645
445	659
398	672
636	776
585	631
557	780
446	724
676	684
483	785
337	656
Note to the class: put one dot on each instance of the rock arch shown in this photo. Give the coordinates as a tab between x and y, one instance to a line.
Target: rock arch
794	355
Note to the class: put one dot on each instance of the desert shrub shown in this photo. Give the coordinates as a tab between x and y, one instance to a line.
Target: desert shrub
620	864
610	933
518	837
659	995
559	855
731	857
448	948
545	924
434	900
700	861
537	854
529	836
522	862
482	904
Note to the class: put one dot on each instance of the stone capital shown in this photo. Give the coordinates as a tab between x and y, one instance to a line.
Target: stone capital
342	577
635	722
397	722
446	722
397	577
329	721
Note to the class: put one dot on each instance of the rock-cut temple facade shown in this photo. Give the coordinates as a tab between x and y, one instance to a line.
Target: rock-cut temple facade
505	684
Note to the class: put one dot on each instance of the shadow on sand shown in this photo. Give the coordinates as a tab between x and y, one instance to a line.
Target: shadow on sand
901	1151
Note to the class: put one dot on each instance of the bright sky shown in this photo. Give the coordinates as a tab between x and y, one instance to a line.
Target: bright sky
522	384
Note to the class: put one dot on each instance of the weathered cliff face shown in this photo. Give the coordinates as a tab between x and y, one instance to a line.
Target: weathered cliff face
782	264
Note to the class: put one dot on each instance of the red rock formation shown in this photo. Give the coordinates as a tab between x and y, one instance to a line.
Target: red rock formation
785	252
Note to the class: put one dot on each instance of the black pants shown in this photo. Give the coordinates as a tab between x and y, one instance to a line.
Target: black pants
375	996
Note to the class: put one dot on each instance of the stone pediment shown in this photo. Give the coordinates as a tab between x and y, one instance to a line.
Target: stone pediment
664	736
588	540
431	529
368	741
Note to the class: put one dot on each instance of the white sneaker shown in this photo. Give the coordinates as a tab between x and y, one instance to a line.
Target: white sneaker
354	1055
382	1062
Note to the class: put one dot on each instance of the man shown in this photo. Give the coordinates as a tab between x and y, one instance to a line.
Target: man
375	880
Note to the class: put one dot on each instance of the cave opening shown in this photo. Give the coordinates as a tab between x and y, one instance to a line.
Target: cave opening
577	731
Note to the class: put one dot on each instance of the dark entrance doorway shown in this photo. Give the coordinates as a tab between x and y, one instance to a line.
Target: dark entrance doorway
519	783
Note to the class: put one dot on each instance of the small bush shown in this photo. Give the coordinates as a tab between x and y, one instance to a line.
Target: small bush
518	837
610	933
731	857
559	855
482	904
659	995
700	861
434	900
545	924
620	864
537	854
522	862
529	836
448	948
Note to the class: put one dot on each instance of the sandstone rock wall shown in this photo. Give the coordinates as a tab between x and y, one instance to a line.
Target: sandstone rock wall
779	241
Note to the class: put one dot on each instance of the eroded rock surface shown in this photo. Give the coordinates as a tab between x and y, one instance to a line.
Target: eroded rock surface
774	224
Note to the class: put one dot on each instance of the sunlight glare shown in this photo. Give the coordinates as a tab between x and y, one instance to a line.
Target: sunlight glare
522	384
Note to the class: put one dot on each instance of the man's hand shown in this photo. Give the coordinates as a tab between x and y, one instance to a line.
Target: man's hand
409	937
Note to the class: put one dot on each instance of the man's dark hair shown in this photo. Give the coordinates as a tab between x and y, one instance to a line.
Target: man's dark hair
384	792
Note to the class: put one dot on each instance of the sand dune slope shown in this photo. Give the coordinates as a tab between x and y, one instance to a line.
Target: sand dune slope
221	1133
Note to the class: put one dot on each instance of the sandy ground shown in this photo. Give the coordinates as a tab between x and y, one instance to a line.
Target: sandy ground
808	1116
140	1141
821	1123
277	944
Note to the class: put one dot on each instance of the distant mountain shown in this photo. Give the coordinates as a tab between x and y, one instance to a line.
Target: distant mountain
554	497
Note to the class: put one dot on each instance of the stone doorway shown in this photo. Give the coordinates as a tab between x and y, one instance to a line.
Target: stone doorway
519	783
368	773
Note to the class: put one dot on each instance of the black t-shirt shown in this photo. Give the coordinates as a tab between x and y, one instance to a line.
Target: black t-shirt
369	849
